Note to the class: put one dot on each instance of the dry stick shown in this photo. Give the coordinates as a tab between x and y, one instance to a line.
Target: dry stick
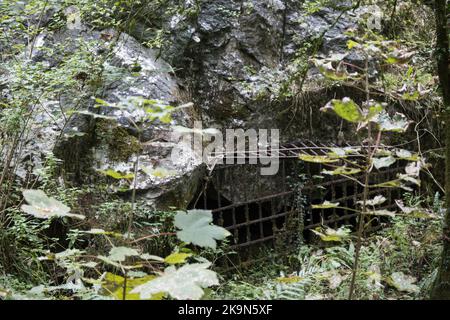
361	218
133	193
37	29
154	236
366	189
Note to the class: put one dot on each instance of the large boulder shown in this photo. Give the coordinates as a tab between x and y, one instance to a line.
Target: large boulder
90	139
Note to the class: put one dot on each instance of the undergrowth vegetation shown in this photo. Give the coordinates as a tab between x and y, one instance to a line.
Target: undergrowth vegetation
398	262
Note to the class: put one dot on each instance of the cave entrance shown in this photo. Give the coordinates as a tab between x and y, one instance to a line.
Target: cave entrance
277	210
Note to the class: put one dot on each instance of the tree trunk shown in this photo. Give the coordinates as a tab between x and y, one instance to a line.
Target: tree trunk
441	288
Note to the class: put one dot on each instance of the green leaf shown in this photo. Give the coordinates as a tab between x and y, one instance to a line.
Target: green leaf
184	283
406	155
351	44
337	153
415	212
102	232
113	285
329	72
397	123
383	162
399	56
147	256
411	96
342	171
346	108
325	205
177	258
101	102
119	254
381	213
388	184
43	207
403	282
317	159
375	201
196	228
328	234
408	178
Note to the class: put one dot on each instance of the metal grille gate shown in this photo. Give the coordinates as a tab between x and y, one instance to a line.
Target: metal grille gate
264	218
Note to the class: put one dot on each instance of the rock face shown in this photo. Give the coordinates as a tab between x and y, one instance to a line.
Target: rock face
106	138
236	60
240	54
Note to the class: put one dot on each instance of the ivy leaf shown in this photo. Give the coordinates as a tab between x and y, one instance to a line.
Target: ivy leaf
196	228
119	254
43	207
403	282
383	162
316	159
346	108
325	205
177	258
184	283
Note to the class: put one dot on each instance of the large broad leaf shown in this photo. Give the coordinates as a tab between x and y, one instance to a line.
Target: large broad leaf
43	207
383	162
184	283
337	153
329	234
326	68
416	212
406	155
413	169
325	205
403	282
397	123
346	108
196	228
317	159
113	285
177	258
119	254
375	201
